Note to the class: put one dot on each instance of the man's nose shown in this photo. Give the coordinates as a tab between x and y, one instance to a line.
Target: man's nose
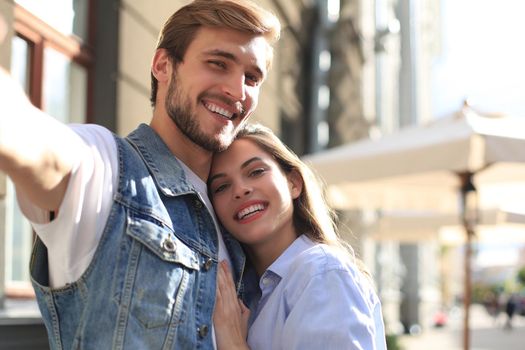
234	86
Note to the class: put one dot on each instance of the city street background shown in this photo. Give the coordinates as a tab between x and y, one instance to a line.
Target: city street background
487	333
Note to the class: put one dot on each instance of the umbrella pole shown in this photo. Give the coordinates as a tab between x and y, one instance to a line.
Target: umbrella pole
468	288
468	218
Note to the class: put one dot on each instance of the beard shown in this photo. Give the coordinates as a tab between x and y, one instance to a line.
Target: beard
179	108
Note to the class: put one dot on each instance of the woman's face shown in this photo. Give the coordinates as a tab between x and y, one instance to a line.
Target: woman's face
252	196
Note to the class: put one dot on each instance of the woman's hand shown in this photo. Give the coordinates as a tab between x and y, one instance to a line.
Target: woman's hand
230	317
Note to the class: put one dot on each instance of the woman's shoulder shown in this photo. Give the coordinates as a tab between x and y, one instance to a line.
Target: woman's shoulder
326	260
320	258
322	267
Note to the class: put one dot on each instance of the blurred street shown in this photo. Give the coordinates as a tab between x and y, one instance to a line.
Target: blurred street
487	333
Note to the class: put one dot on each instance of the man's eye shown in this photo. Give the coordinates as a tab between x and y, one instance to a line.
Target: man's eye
219	64
252	80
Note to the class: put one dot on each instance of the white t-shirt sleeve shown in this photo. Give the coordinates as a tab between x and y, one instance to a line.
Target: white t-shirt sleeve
73	236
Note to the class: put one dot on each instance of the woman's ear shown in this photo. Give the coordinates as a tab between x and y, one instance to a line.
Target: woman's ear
161	66
295	182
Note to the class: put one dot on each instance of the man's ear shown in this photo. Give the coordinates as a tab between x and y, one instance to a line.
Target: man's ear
295	182
162	66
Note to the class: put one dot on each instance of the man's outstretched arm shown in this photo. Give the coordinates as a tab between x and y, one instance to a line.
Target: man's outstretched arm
36	151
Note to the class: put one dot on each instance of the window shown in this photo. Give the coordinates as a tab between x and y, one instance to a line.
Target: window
52	59
69	17
64	90
52	47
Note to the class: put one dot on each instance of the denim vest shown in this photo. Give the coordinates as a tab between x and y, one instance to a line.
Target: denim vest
151	283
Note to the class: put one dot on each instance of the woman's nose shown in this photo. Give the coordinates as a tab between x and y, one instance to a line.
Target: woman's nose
242	191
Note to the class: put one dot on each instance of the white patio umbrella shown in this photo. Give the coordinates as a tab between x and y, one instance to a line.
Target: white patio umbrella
432	167
413	227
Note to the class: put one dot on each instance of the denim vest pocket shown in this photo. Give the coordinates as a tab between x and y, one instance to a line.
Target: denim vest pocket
159	270
162	242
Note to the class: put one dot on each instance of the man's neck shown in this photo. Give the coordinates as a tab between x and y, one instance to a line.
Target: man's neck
195	157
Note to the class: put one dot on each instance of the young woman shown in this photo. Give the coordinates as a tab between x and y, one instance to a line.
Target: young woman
309	291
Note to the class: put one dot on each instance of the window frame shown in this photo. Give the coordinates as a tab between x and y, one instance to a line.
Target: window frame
40	35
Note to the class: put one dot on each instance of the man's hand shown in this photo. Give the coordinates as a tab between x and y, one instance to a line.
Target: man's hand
36	151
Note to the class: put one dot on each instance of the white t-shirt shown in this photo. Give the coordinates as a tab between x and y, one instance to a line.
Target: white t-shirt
72	237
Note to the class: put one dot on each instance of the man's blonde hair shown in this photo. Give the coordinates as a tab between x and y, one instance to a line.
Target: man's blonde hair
240	15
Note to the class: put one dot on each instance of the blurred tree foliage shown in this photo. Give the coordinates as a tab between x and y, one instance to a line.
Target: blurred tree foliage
392	342
481	293
521	276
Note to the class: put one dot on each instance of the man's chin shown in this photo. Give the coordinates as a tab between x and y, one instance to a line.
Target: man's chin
221	146
210	143
223	142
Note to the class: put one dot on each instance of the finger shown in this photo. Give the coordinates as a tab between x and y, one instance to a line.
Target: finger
224	286
226	269
218	292
223	294
221	277
244	308
245	318
220	306
229	285
227	289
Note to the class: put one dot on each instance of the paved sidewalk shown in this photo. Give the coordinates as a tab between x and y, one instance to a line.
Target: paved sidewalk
486	333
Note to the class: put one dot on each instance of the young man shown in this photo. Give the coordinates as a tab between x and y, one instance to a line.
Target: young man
129	257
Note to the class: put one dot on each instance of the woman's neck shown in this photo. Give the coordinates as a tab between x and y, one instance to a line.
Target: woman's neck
262	255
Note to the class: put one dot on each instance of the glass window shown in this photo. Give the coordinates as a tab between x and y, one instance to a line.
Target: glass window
20	62
69	17
18	240
64	88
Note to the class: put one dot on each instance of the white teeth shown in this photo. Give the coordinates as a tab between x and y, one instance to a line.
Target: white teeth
219	110
249	210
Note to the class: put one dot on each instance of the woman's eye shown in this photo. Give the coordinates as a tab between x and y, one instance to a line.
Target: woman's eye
257	172
220	188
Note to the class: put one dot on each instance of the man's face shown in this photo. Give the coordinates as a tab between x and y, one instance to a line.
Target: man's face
216	87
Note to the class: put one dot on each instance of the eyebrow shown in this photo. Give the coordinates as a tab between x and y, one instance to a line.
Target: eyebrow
249	161
243	165
230	56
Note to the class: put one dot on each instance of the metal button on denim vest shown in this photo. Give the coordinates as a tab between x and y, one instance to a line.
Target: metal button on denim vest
151	283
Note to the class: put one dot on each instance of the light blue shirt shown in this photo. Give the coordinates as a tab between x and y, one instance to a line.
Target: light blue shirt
313	299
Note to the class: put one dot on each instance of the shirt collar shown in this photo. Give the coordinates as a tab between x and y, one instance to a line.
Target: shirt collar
282	264
164	167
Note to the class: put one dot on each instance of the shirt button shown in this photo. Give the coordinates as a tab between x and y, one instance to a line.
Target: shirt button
198	204
208	264
203	331
266	280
